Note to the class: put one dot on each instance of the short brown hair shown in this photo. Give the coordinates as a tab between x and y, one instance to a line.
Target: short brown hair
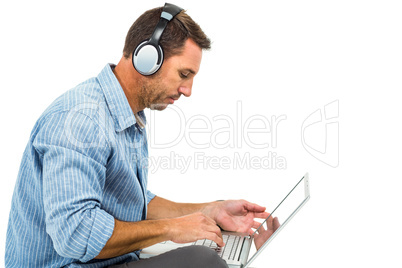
178	30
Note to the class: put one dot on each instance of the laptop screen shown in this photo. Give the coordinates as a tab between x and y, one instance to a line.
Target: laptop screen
280	216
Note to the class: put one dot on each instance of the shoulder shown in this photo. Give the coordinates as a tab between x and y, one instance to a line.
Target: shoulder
77	117
80	98
86	100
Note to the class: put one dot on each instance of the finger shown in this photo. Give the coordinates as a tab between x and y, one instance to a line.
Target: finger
270	223
251	232
261	229
276	223
261	215
210	225
253	207
214	229
256	224
212	232
216	238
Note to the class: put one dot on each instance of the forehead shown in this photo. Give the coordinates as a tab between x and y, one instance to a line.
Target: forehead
190	58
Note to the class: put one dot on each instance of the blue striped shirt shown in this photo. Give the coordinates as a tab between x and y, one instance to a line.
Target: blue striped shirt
85	164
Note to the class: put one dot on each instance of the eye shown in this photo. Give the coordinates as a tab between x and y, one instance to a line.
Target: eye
184	75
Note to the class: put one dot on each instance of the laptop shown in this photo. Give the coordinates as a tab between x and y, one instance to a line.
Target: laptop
238	245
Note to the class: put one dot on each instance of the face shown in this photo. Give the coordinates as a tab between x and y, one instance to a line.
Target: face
175	78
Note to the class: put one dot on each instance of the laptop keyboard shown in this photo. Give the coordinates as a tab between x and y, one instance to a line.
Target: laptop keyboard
231	250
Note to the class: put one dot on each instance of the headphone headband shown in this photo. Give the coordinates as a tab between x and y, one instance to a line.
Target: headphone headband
170	9
168	13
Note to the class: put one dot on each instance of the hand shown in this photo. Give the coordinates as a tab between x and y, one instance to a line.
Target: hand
194	227
236	215
262	235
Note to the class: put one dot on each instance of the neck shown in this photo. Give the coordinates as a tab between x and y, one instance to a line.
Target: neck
129	81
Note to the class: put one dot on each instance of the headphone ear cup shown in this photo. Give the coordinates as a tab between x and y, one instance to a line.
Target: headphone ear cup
147	58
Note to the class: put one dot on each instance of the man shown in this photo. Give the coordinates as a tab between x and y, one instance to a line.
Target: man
81	197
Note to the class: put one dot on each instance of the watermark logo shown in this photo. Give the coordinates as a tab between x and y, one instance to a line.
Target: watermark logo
201	160
221	131
240	141
244	141
320	134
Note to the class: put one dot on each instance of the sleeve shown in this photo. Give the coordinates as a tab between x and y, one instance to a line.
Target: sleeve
73	157
150	196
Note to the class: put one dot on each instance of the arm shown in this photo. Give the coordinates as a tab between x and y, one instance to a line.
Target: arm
160	208
166	220
236	215
131	236
73	178
230	215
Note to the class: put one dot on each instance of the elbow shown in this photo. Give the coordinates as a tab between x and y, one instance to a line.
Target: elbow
65	245
81	236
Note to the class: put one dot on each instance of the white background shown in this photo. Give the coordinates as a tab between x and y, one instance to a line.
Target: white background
275	57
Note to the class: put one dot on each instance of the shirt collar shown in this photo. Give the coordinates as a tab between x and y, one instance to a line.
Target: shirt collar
116	100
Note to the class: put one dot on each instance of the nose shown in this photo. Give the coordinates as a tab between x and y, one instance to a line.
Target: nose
185	89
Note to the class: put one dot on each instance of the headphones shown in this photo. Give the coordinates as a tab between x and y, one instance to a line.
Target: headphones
148	55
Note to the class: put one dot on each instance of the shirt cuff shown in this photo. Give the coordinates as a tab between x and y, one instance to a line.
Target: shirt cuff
150	196
102	230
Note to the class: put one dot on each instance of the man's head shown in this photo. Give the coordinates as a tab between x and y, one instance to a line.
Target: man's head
182	42
173	80
178	30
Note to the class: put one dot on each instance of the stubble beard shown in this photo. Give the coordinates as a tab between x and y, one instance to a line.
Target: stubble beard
153	96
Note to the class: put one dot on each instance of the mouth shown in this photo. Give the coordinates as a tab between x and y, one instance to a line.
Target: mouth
172	100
